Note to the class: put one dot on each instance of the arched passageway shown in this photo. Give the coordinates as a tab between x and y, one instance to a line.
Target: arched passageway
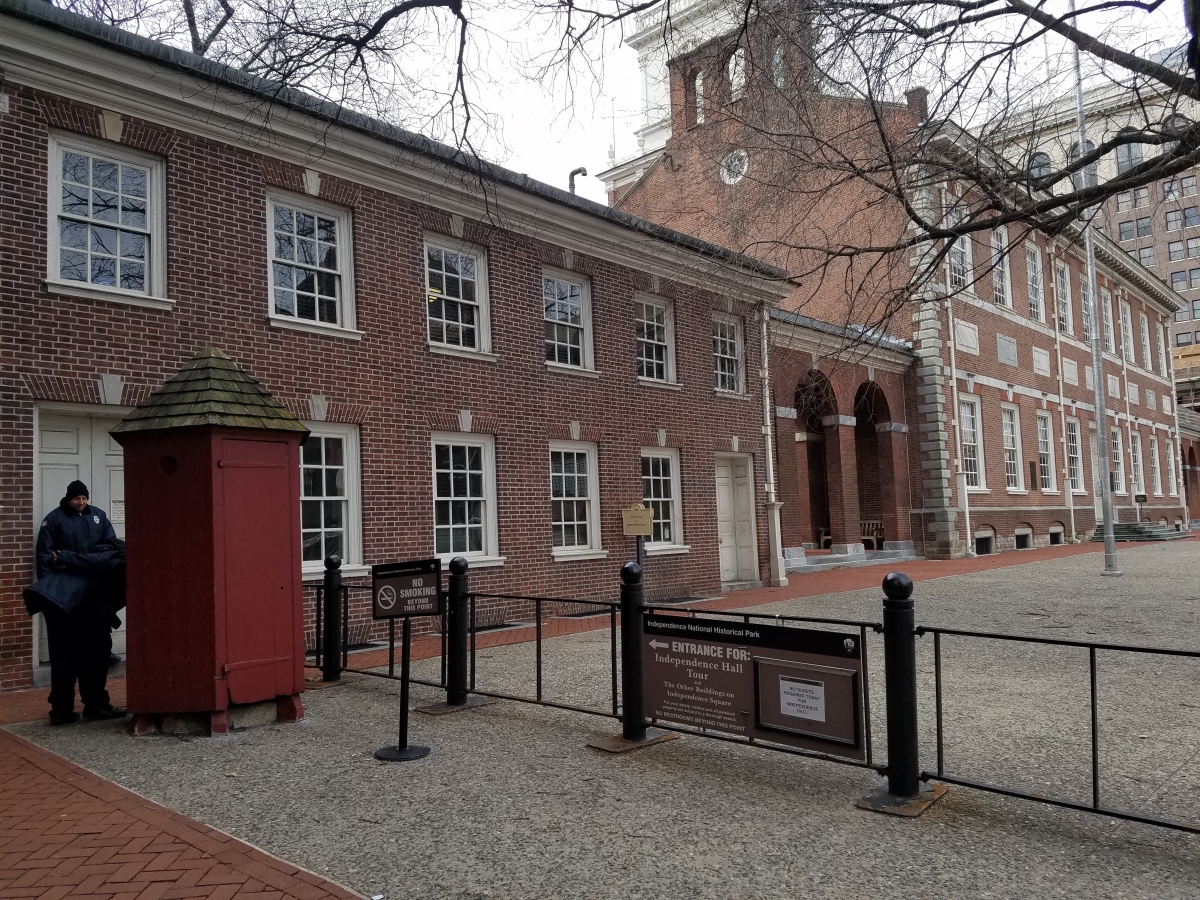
815	401
870	446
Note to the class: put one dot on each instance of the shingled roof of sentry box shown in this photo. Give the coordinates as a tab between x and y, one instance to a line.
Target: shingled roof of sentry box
212	389
43	13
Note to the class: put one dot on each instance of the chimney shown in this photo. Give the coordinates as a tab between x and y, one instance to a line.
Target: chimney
918	103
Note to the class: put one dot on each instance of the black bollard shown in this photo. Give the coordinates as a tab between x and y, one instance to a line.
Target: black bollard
456	631
633	713
331	651
900	669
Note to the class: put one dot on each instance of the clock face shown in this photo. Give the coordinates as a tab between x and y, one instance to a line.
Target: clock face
734	166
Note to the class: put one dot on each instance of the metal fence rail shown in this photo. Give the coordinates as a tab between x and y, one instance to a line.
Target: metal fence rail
1091	646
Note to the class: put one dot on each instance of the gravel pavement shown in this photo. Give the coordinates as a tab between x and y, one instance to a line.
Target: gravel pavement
512	804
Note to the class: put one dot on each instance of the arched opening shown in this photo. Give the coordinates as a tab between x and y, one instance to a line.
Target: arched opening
814	401
870	410
1023	537
1056	533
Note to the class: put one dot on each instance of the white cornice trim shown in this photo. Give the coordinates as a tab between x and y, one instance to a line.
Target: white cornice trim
797	338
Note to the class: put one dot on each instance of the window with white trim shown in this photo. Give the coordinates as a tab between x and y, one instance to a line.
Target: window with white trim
1172	487
107	210
736	72
456	310
1085	305
728	354
1062	283
1033	275
1110	339
1045	439
1001	286
1144	327
1162	353
1127	333
959	257
972	452
310	262
654	325
464	495
574	498
698	98
661	494
1118	461
1155	474
1135	459
566	311
1011	428
330	495
1074	457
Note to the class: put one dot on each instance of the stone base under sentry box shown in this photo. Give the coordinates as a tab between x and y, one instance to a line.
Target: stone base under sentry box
235	718
798	560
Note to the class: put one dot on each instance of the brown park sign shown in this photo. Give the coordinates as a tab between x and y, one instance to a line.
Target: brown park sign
638	521
794	686
406	589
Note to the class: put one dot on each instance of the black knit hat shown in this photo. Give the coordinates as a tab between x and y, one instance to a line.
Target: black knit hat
76	489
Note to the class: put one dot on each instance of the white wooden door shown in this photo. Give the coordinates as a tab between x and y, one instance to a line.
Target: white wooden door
80	447
735	520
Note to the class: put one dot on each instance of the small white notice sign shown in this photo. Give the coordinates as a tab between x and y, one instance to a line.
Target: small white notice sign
802	698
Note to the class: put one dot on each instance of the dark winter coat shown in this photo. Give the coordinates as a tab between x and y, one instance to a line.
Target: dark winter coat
90	567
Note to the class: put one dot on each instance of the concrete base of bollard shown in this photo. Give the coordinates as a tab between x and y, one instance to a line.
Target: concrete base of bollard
909	807
618	744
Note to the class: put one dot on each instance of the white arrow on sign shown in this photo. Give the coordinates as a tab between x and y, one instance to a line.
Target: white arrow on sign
657	646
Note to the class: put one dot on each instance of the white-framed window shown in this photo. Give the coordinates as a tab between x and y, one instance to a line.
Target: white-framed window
1155	472
311	273
1110	339
1160	332
330	495
661	494
567	315
1011	428
1033	274
654	325
1118	461
107	221
736	71
1085	306
1045	439
1001	284
1144	327
1062	284
1135	460
698	98
972	450
1074	457
574	499
1172	487
959	257
457	311
464	496
1127	333
728	354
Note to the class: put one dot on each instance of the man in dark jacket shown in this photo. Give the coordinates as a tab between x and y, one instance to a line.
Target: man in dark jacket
81	638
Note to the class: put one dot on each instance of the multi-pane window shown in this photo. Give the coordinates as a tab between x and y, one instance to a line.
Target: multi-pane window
1187	185
1045	452
1191	217
1074	457
460	497
1128	156
736	71
323	497
1127	333
660	494
652	322
1124	201
960	254
1171	488
727	355
565	311
1033	273
1144	326
455	295
1193	279
1118	461
1106	307
1175	251
1144	227
968	417
1145	256
1183	339
1135	459
1155	474
1125	231
306	259
1179	282
1174	219
698	98
1193	247
1001	289
1085	304
104	223
573	518
1162	351
1062	283
1012	447
1142	197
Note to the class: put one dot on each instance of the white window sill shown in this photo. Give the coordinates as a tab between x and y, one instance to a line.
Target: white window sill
561	555
315	327
1051	493
473	562
1018	491
465	354
107	295
732	395
1079	493
665	385
571	370
972	490
347	570
666	549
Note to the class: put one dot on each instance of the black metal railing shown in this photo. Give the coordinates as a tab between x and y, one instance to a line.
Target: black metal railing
1092	647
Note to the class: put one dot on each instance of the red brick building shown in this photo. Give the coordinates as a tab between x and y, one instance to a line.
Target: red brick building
962	421
494	376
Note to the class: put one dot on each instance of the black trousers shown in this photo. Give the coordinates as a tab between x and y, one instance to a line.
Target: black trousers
80	643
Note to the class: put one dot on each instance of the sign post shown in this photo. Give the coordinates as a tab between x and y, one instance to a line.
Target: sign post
401	591
639	523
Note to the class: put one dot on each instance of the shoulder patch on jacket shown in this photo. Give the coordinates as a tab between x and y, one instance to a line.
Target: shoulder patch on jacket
45	522
96	519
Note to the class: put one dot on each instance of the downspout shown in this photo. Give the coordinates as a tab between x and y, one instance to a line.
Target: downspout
1125	352
1173	437
774	531
1062	416
960	476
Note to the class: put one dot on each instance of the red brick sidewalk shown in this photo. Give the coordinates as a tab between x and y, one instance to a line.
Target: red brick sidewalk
65	832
